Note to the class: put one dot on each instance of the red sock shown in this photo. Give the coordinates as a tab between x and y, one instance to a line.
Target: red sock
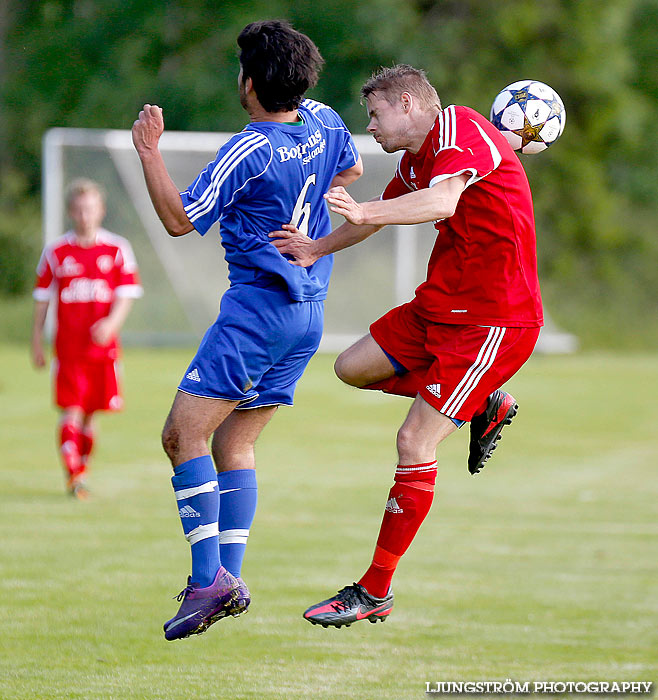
69	442
409	502
86	445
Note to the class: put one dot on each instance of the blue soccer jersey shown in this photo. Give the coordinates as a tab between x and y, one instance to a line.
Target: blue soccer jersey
268	175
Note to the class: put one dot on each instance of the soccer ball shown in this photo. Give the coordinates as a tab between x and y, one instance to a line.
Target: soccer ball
529	114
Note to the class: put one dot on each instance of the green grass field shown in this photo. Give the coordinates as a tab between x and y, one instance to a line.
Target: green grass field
544	567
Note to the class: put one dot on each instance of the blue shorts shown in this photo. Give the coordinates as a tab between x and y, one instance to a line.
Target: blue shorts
257	349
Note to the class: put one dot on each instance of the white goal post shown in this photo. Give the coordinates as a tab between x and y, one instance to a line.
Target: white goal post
185	278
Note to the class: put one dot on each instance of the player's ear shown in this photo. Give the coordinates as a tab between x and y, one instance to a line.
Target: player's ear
407	102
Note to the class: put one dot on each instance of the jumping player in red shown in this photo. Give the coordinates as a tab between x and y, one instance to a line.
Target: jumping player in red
472	324
92	275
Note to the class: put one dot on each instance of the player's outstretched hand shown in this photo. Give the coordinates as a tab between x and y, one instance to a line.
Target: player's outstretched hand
341	203
291	241
148	128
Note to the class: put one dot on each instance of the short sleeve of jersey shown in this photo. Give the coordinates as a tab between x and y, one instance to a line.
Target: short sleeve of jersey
244	157
462	145
349	155
398	185
43	287
128	283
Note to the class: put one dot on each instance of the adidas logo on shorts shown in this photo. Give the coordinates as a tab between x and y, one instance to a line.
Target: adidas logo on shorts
193	375
434	389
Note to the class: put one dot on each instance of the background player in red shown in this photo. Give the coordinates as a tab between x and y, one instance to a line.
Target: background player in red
471	325
92	276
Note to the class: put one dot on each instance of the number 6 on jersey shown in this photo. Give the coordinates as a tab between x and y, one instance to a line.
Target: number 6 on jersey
302	208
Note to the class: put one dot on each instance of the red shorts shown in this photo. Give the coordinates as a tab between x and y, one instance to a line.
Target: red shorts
453	367
91	386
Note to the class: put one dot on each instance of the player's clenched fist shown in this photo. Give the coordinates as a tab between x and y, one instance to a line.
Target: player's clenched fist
148	128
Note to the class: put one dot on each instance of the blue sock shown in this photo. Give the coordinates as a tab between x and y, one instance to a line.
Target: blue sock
238	493
195	487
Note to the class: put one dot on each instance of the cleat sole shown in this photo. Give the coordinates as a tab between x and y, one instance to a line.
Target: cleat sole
374	619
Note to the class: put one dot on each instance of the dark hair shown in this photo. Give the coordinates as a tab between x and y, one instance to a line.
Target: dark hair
282	63
392	82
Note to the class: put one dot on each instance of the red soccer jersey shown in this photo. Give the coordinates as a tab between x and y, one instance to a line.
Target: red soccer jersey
85	282
483	267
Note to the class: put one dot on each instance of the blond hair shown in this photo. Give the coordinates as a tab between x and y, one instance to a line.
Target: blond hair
80	186
392	82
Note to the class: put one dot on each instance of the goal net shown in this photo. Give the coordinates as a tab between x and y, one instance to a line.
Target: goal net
184	278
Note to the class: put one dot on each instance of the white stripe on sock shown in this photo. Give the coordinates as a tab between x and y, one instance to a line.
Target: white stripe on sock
409	470
203	532
235	536
196	490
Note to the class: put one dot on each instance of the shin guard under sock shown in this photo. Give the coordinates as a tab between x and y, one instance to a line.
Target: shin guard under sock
409	502
86	446
195	488
238	496
69	448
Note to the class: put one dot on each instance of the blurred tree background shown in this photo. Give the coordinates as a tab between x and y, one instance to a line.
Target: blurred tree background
94	63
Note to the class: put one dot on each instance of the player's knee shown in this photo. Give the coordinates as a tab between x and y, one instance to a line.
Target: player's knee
412	447
406	440
234	459
73	416
170	440
344	370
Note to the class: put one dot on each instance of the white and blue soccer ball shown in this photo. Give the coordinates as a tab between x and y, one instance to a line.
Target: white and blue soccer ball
529	114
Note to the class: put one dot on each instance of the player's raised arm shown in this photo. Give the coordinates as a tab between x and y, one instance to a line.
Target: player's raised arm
164	194
424	205
364	219
305	250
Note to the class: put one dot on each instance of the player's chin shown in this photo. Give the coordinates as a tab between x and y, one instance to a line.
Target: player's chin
388	147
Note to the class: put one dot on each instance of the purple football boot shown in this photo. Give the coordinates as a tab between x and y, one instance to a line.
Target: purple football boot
241	601
201	607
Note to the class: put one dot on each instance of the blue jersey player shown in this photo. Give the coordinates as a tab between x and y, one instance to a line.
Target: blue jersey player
274	172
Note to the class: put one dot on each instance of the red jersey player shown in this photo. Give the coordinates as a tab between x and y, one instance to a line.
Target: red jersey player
92	276
471	325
